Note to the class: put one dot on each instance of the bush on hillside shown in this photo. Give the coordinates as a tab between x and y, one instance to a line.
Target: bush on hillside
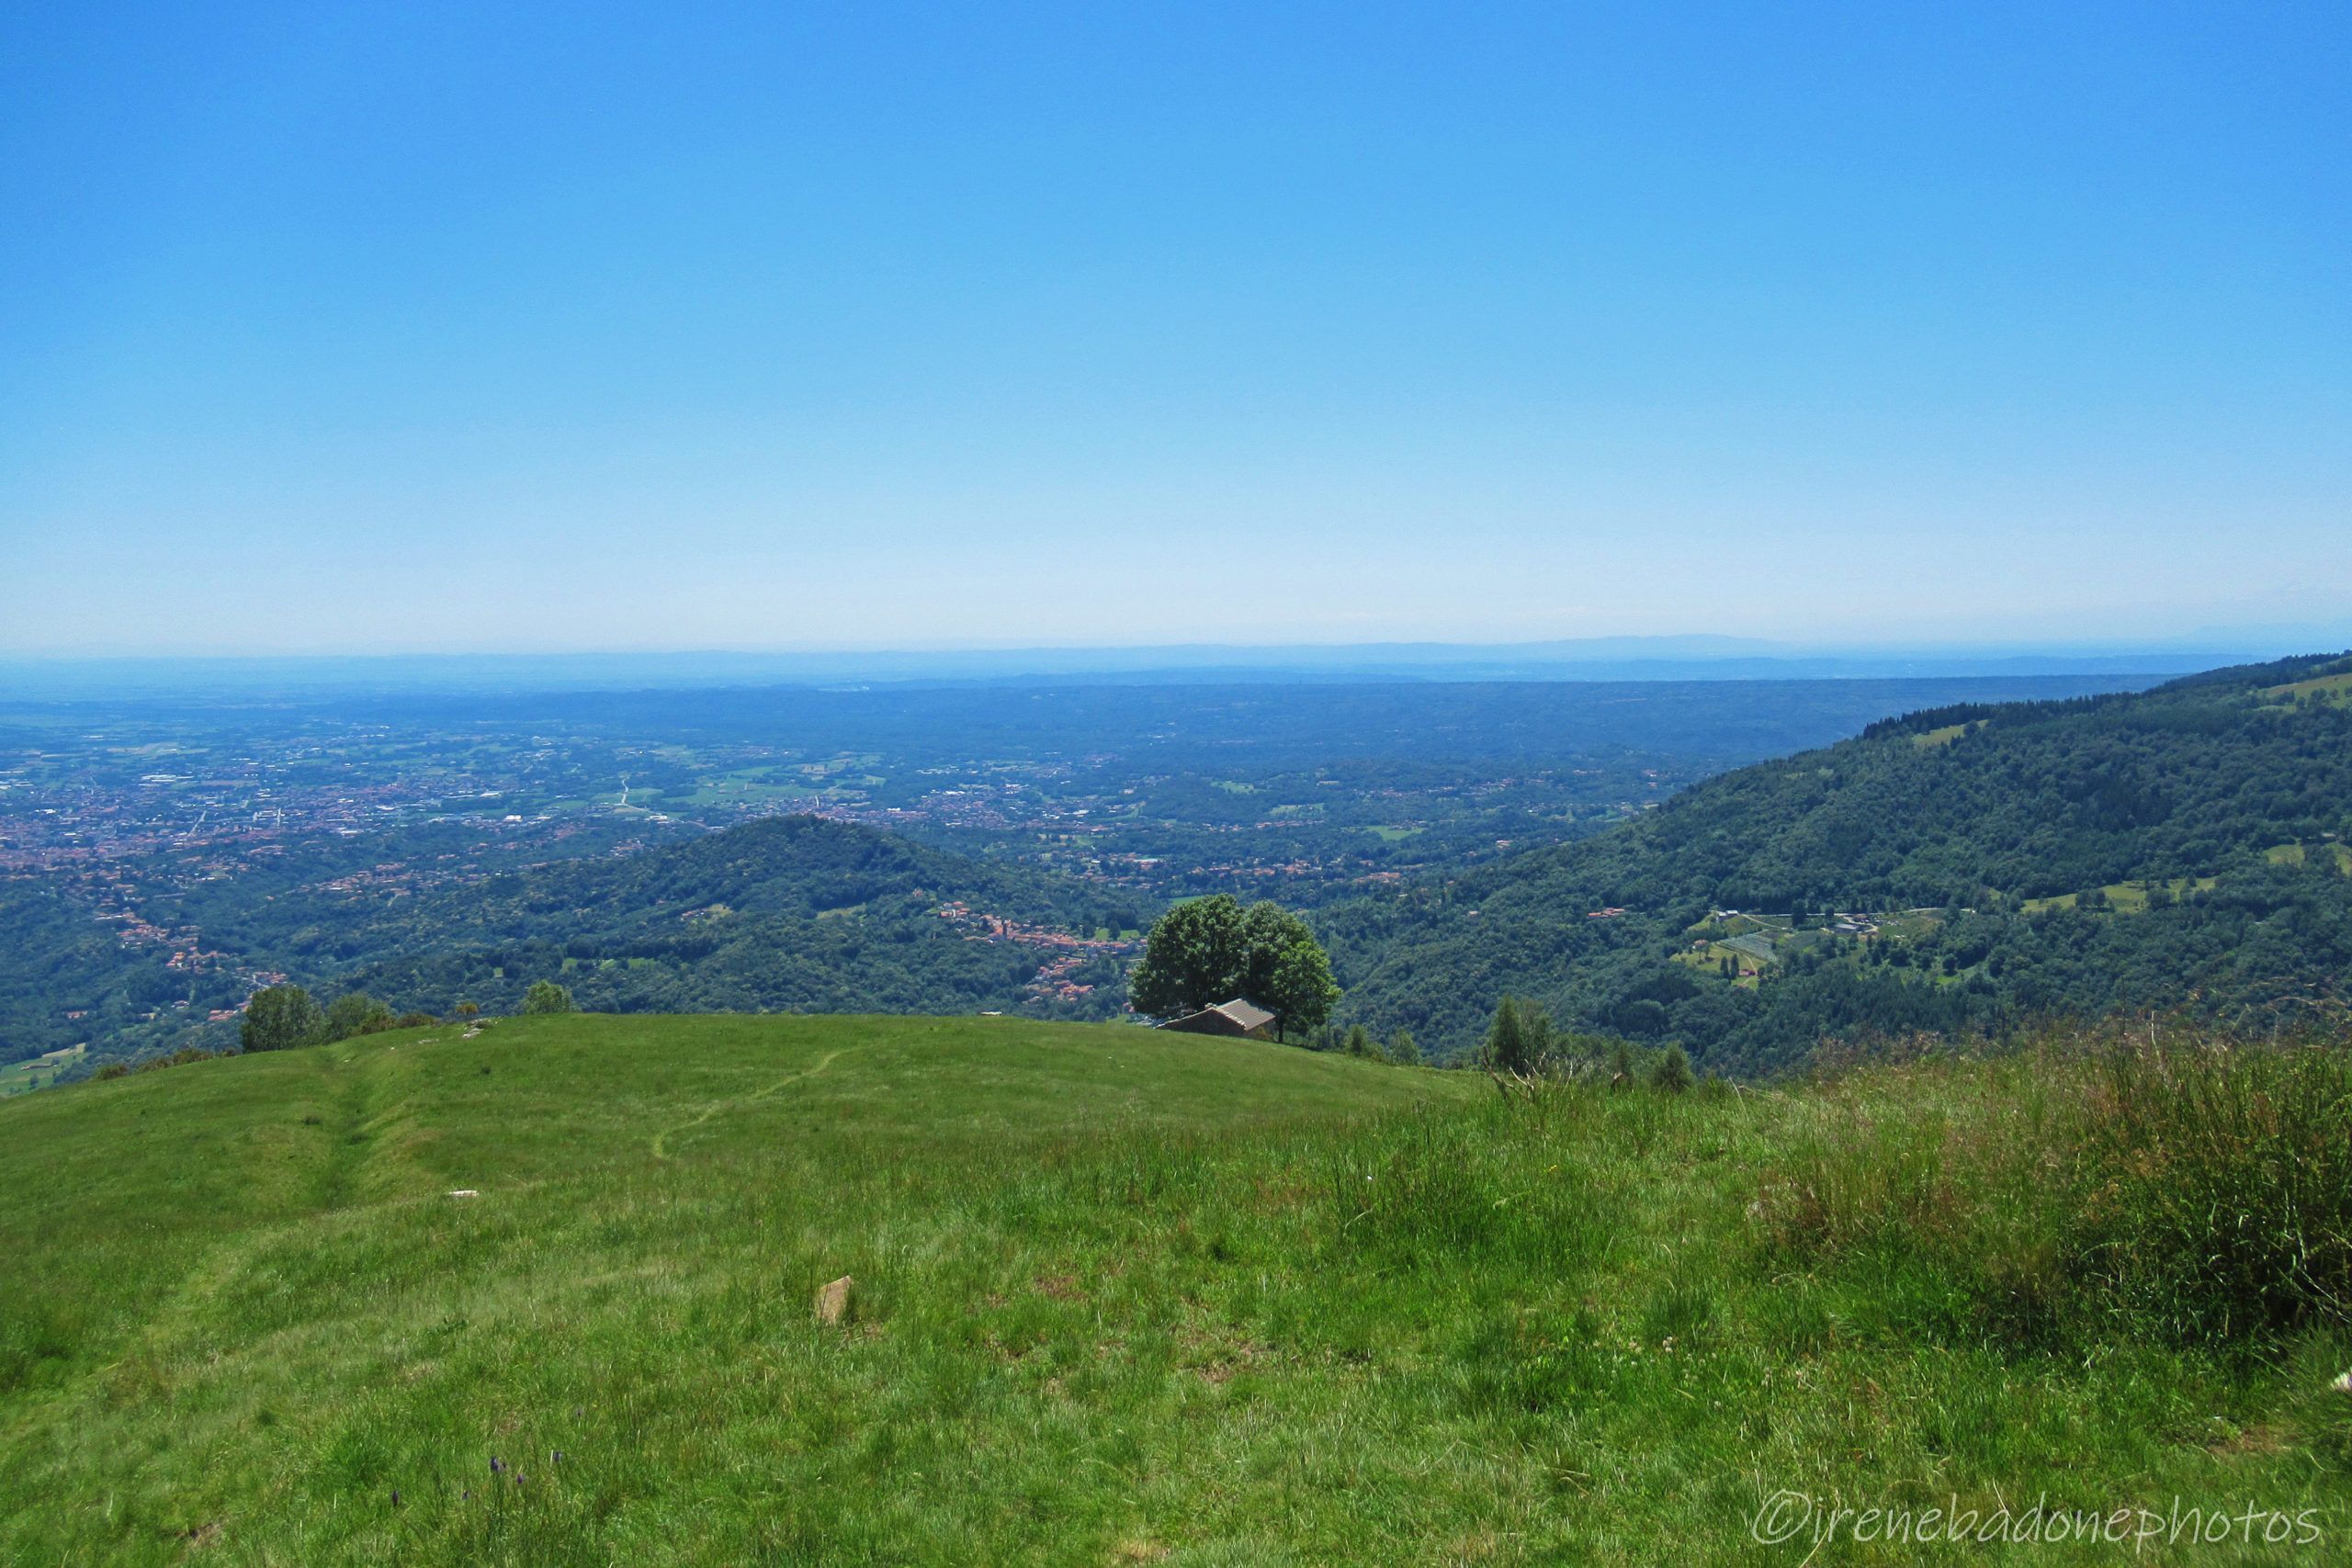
546	995
179	1058
1671	1072
1519	1040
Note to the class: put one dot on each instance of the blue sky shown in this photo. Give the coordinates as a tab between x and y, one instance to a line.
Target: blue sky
412	327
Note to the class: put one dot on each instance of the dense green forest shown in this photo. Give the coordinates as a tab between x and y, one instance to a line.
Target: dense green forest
1955	870
65	979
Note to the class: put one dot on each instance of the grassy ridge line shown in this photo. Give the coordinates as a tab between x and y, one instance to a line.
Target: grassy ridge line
1123	1298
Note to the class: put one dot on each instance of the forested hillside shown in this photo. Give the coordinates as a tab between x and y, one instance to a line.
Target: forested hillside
787	914
1952	871
793	913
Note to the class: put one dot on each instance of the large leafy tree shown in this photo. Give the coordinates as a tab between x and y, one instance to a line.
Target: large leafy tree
280	1018
1214	950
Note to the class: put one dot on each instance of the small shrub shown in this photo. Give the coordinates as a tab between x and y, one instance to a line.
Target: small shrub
1519	1039
179	1058
546	995
1671	1074
111	1071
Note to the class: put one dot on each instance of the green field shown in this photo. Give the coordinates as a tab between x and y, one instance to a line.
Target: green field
2325	688
1747	952
2303	854
39	1072
2125	897
1927	740
1122	1297
2132	897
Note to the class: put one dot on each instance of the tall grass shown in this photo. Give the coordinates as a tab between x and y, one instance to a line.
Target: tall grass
2216	1187
2196	1191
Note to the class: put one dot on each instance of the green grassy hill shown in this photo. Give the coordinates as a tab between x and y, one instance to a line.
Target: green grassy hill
1122	1297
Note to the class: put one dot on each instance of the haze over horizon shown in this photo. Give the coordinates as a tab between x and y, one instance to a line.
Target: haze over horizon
401	330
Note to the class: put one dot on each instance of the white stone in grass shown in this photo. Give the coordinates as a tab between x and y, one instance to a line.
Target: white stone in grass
465	1193
832	1301
2342	1384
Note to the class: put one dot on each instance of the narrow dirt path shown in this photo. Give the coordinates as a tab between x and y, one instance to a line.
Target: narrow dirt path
662	1140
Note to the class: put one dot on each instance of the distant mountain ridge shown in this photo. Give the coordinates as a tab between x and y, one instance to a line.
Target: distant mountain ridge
1696	656
2179	848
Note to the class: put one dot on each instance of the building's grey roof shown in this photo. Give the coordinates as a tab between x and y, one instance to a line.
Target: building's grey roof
1239	1015
1247	1014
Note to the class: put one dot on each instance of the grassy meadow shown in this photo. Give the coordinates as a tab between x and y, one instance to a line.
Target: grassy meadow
1126	1297
39	1072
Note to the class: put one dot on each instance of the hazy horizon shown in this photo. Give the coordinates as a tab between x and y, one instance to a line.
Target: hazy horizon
1668	659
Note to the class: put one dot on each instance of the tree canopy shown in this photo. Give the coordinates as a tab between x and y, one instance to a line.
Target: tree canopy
280	1018
1215	950
356	1012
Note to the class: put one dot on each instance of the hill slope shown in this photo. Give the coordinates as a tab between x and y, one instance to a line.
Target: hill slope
2183	847
1122	1297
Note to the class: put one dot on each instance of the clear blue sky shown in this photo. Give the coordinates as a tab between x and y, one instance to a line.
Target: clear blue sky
410	326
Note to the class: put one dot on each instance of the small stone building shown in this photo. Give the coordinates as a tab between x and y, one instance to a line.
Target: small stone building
1237	1018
